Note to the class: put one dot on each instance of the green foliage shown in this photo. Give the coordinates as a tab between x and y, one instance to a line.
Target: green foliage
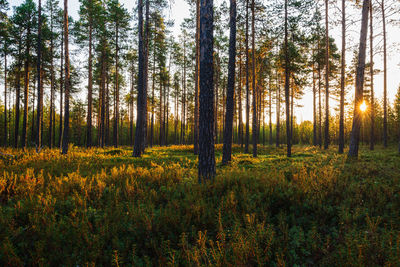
103	207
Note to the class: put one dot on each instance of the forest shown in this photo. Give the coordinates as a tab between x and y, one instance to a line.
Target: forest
199	133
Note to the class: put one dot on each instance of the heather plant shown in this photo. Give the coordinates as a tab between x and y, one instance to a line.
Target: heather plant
103	207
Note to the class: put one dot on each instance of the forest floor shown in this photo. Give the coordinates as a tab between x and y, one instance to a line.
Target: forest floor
104	207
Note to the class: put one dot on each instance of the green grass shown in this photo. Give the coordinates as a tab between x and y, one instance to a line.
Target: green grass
104	207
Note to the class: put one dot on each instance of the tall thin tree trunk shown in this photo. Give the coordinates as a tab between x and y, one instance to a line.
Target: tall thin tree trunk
385	120
371	47
253	59
196	86
206	165
246	145
137	150
240	130
270	111
5	99
51	117
145	74
116	109
39	83
228	130
355	133
24	139
342	79
60	136
278	109
67	82
90	83
314	107
18	94
287	86
152	100
326	135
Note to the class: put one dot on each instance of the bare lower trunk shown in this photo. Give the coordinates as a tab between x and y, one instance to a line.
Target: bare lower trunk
342	79
355	133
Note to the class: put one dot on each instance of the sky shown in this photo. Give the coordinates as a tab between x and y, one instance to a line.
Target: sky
179	10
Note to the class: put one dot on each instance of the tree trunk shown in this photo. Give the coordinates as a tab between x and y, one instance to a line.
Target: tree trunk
206	166
314	106
270	111
51	118
18	93
342	79
278	109
287	86
137	150
196	86
26	93
385	127
253	47
371	47
60	136
326	135
152	100
116	91
355	133
90	84
145	74
246	145
5	99
240	128
227	147
67	82
39	83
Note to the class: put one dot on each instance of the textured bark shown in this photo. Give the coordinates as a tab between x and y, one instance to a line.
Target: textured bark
196	81
228	130
253	59
326	135
342	79
39	83
355	133
206	168
152	100
67	82
137	150
371	54
287	86
271	141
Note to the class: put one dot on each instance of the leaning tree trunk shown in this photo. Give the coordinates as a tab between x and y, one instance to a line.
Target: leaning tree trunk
342	79
371	47
137	149
326	135
228	129
287	86
355	133
206	166
67	82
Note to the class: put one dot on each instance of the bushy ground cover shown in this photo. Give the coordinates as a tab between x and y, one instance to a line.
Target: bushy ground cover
102	207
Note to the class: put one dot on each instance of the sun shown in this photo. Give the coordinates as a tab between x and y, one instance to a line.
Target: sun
363	106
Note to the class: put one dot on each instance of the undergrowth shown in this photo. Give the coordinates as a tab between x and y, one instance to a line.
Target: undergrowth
104	207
